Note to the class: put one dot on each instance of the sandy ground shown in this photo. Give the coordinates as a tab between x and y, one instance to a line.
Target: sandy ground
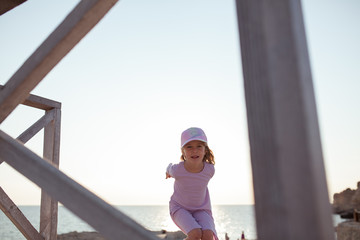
96	236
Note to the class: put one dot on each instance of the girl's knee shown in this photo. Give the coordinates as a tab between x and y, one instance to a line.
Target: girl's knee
194	234
207	235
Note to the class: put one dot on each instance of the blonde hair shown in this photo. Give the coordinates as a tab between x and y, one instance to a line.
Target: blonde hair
209	155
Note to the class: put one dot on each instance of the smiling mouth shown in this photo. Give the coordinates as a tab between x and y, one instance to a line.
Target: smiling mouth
195	157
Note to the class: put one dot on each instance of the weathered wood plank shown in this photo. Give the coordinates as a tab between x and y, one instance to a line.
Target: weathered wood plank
36	127
48	216
291	197
110	222
39	102
74	27
51	152
17	217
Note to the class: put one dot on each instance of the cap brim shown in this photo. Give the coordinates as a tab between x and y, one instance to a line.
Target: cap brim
193	139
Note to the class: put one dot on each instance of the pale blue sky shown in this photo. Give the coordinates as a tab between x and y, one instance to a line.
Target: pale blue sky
151	69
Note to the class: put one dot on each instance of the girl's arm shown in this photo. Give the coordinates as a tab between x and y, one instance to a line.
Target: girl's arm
168	171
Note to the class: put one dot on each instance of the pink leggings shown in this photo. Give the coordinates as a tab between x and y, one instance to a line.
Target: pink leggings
189	220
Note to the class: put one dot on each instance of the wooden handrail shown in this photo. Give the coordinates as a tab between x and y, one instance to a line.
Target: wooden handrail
39	102
109	221
74	27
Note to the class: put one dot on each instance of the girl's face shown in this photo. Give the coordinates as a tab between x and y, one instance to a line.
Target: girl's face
194	151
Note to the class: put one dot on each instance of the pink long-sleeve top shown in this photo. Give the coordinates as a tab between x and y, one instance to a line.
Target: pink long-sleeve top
190	189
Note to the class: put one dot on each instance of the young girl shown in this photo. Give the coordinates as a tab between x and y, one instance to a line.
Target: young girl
190	206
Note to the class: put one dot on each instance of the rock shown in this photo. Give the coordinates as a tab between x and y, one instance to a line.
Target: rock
342	201
80	236
178	235
348	230
355	200
347	214
163	234
345	202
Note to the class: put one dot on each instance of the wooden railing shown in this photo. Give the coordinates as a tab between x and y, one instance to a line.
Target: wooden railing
50	122
291	197
111	223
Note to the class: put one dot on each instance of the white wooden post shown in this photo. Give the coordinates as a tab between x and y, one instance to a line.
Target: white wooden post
291	197
49	206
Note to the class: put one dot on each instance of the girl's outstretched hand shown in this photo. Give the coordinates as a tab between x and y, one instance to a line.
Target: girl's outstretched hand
168	176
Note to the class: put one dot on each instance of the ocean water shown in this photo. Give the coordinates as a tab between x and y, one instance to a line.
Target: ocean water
230	219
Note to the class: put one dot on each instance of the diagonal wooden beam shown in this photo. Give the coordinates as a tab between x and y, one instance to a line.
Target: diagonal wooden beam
74	27
17	217
39	102
36	127
110	222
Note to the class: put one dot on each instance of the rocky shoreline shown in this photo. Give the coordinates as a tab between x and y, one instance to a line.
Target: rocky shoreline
346	201
96	236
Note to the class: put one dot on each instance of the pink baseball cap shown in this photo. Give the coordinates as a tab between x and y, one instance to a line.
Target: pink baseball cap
192	134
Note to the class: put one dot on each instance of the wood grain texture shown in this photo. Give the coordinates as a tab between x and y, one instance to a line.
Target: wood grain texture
291	197
109	221
36	127
74	27
51	153
17	217
39	102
